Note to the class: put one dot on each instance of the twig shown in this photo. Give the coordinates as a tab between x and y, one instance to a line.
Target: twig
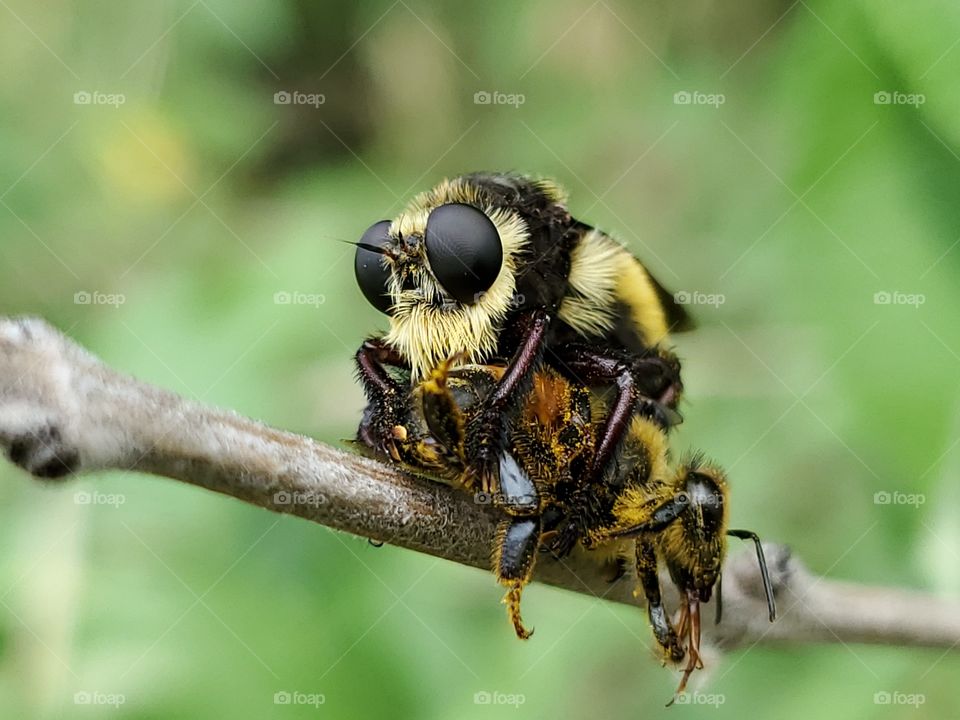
64	412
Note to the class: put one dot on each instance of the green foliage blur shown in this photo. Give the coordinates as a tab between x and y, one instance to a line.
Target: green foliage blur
793	168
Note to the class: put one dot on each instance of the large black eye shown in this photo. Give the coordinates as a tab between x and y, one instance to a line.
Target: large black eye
370	268
464	250
705	493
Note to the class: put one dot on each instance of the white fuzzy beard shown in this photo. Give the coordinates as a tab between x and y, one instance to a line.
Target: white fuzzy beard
426	335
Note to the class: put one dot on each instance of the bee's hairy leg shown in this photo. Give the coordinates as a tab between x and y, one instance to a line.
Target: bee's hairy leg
650	582
489	427
690	628
443	416
513	560
387	398
638	380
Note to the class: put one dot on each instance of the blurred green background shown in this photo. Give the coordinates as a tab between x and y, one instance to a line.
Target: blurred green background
155	198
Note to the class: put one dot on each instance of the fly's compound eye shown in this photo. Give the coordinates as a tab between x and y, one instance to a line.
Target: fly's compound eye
464	250
370	266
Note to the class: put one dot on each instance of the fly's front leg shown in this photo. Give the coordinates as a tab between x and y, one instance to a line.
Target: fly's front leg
488	431
382	423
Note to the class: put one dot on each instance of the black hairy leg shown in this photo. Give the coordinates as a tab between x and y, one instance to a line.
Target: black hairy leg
488	432
387	399
650	582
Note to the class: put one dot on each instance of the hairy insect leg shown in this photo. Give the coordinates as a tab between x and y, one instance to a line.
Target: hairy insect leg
443	416
489	427
386	397
649	386
650	582
689	627
513	560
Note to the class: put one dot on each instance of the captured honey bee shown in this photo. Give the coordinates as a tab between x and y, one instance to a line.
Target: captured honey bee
644	509
493	269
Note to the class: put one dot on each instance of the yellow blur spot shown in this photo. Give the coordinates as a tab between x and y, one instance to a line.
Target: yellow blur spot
145	159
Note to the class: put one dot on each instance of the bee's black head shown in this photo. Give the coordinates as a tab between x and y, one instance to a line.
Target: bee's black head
695	544
706	496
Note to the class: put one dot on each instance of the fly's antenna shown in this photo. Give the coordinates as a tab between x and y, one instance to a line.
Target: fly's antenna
367	246
767	585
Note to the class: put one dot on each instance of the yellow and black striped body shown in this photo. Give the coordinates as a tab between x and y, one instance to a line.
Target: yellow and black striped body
674	517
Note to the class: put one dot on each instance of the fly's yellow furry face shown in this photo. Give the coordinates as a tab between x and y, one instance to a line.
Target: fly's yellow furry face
427	326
